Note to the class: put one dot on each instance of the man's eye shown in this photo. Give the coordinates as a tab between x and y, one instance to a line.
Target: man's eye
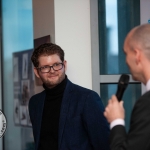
55	65
44	67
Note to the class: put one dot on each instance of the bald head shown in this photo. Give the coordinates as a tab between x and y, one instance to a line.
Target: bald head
139	37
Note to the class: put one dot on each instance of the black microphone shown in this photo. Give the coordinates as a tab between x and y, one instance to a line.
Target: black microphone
122	85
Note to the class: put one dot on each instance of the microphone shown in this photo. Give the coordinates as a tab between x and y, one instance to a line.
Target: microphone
122	85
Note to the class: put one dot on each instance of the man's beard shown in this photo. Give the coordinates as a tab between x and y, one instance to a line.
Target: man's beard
52	83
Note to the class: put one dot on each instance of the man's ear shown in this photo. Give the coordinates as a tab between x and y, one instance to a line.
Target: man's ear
138	55
36	73
65	65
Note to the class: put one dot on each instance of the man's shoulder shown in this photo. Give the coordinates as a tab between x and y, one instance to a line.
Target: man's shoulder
37	97
143	101
81	89
146	96
39	94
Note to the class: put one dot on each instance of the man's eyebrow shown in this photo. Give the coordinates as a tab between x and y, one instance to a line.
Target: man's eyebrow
57	63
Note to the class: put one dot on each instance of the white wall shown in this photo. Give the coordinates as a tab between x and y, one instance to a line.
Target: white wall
72	33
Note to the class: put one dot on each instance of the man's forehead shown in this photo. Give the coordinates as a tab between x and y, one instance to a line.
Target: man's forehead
53	57
50	56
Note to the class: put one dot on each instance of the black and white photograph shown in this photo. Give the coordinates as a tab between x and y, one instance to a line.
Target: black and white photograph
25	91
23	115
15	68
16	111
25	66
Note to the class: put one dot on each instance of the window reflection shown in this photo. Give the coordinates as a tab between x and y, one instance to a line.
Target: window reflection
112	36
115	21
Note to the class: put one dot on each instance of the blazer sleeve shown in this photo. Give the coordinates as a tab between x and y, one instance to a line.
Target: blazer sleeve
95	123
32	113
138	136
31	107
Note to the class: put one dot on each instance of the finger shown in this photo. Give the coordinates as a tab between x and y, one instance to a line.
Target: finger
114	98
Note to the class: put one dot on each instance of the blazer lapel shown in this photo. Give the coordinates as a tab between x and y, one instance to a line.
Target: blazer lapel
64	110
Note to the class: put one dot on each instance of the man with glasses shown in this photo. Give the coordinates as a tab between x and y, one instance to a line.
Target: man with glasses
64	116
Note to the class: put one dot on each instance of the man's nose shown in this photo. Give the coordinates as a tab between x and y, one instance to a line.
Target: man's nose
51	69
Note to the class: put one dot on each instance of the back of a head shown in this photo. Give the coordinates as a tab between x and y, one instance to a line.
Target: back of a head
46	49
139	37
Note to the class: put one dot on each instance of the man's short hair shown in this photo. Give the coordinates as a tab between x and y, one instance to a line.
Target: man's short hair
46	50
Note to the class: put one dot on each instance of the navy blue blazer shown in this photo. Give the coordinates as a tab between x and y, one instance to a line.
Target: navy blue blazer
82	125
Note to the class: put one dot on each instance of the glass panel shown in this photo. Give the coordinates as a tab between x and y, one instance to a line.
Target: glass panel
116	19
131	94
112	36
17	36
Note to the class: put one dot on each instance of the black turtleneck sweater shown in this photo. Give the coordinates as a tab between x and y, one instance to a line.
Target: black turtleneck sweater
50	119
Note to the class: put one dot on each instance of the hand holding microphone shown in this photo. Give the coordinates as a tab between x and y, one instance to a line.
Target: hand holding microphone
114	109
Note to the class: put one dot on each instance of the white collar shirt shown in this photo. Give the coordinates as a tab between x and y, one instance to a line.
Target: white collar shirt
148	85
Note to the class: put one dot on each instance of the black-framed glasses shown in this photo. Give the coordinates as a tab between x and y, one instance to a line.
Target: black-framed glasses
46	69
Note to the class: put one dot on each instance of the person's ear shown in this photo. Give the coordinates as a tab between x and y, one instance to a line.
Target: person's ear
36	73
137	56
65	65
